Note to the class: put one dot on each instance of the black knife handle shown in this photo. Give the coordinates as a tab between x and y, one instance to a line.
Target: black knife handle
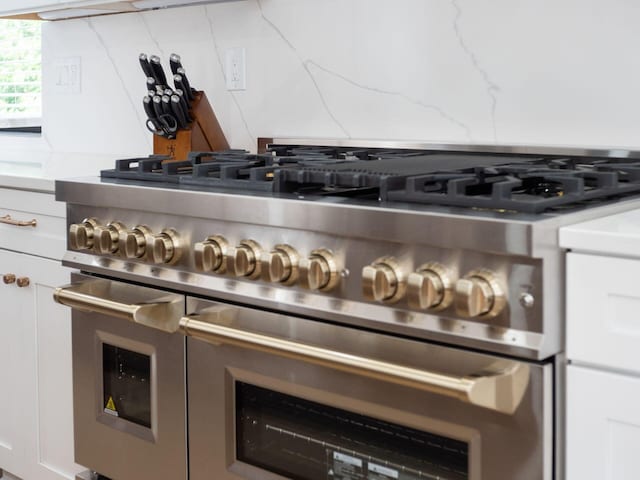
176	109
185	82
178	81
147	103
166	105
144	63
185	104
157	106
158	71
151	83
175	62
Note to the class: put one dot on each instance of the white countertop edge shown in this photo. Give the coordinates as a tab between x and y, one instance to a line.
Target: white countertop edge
617	235
46	185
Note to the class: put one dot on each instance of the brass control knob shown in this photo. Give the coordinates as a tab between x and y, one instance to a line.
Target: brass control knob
106	239
209	255
320	271
281	265
133	243
383	281
244	260
165	247
430	287
9	278
81	234
23	282
479	294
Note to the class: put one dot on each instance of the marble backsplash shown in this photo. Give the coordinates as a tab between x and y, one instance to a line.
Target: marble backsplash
482	71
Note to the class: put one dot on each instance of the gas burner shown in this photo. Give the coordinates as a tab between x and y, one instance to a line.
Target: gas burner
499	182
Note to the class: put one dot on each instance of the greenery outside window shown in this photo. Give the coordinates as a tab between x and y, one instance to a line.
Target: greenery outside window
20	75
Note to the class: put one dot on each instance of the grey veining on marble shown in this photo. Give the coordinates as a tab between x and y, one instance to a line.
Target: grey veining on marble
481	71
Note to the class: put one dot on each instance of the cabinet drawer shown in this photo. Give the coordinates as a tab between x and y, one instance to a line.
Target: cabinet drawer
603	311
47	237
603	425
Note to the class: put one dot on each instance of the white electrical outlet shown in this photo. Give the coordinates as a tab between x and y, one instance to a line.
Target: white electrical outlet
235	70
67	73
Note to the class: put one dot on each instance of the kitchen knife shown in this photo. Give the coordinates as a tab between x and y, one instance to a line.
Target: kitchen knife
185	104
178	113
178	81
146	67
152	118
175	63
186	83
151	83
166	105
157	106
158	71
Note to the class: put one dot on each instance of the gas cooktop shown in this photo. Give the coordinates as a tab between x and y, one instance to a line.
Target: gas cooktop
500	182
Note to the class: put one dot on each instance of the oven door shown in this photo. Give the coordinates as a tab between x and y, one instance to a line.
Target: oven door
128	379
274	396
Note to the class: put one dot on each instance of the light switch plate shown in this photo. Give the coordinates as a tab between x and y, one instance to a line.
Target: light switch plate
68	75
235	71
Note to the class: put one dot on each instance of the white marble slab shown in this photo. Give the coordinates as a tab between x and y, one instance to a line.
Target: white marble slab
617	235
483	71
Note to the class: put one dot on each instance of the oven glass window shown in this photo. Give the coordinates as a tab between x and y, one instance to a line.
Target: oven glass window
126	384
303	440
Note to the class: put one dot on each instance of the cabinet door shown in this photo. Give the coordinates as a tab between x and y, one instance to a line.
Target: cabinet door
45	382
14	373
603	425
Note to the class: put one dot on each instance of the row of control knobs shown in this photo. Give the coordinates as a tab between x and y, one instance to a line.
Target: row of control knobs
114	238
478	294
282	265
430	287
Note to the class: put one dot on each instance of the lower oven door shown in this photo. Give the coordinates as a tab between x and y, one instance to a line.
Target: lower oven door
128	380
274	396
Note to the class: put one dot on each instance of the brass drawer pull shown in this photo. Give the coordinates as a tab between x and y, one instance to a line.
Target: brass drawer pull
18	223
23	282
9	278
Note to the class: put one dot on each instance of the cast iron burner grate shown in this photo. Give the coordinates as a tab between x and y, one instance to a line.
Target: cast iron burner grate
531	184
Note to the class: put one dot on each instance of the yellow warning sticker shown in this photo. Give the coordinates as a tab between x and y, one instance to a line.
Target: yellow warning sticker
110	407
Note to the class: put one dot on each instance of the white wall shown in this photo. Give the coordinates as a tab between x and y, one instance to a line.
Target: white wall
482	71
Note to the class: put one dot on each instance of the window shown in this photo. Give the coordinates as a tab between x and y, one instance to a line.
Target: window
20	75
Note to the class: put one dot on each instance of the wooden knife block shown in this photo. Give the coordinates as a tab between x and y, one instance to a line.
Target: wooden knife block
203	134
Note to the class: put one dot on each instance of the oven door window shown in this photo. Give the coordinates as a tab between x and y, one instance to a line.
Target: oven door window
126	384
304	440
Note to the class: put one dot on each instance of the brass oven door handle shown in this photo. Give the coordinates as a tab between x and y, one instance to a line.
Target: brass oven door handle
160	313
500	387
18	223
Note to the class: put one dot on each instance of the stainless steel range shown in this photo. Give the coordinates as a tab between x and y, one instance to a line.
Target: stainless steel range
351	310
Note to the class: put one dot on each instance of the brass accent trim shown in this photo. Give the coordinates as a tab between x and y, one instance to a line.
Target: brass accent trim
244	261
479	295
6	219
436	278
106	239
133	243
499	387
281	265
209	256
81	234
23	282
165	247
94	296
9	278
320	271
383	281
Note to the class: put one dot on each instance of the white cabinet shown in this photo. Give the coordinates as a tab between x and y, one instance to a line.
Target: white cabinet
603	349
36	409
603	425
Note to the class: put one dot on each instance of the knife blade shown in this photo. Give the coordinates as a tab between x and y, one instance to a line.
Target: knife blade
144	63
175	62
158	71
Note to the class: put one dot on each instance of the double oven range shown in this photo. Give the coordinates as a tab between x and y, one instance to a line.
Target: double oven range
327	310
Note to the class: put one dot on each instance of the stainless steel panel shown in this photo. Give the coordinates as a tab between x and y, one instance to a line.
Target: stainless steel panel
568	150
115	447
501	445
